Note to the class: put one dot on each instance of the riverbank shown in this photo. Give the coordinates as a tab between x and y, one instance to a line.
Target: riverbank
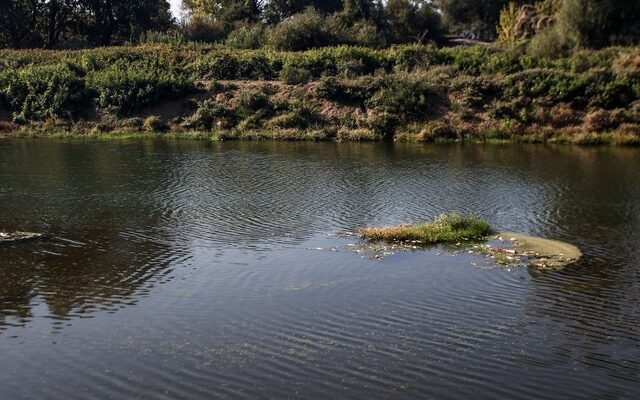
408	93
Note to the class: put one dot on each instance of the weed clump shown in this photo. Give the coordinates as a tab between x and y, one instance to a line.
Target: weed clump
447	228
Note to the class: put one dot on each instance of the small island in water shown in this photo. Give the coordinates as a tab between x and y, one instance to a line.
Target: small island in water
457	229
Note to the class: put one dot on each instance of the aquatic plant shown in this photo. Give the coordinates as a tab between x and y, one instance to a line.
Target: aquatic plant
446	228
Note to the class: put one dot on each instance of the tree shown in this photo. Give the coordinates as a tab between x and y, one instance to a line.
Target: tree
225	11
599	23
474	17
412	21
278	10
104	22
357	10
18	20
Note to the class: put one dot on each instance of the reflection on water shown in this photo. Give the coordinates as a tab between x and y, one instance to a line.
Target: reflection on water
199	270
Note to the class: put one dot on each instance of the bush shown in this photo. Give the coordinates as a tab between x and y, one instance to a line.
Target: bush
246	37
409	57
300	116
8	126
549	43
132	123
210	114
356	91
405	97
234	65
201	29
41	92
155	37
562	115
126	87
555	86
602	120
301	32
251	101
154	123
605	89
294	76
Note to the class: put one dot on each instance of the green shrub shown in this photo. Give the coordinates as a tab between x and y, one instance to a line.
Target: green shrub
234	65
154	123
485	59
210	114
41	92
300	116
301	32
175	38
293	75
356	91
550	43
202	29
126	87
251	101
553	85
409	57
605	89
405	97
246	37
132	123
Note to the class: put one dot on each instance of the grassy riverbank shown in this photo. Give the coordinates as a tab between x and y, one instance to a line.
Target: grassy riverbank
407	93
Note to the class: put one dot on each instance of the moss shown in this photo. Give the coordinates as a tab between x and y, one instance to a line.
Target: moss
447	228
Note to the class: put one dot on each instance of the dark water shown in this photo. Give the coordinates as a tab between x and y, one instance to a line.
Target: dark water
207	270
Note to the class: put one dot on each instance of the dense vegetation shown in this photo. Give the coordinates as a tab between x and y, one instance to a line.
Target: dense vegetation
409	92
560	70
306	24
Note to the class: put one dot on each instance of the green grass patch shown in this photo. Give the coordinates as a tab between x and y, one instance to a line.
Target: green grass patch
447	228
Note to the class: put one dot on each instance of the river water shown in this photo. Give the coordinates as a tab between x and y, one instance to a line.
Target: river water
204	270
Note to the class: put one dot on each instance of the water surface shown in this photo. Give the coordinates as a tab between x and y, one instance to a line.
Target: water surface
204	270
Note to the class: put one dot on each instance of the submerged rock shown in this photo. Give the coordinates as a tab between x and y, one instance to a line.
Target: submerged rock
503	248
539	252
19	236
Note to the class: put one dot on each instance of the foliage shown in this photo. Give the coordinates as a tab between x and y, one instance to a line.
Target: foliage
123	87
226	12
41	92
300	116
246	37
472	18
204	30
210	114
507	27
174	38
50	24
601	23
292	75
406	97
410	21
301	32
154	123
276	11
447	228
252	101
